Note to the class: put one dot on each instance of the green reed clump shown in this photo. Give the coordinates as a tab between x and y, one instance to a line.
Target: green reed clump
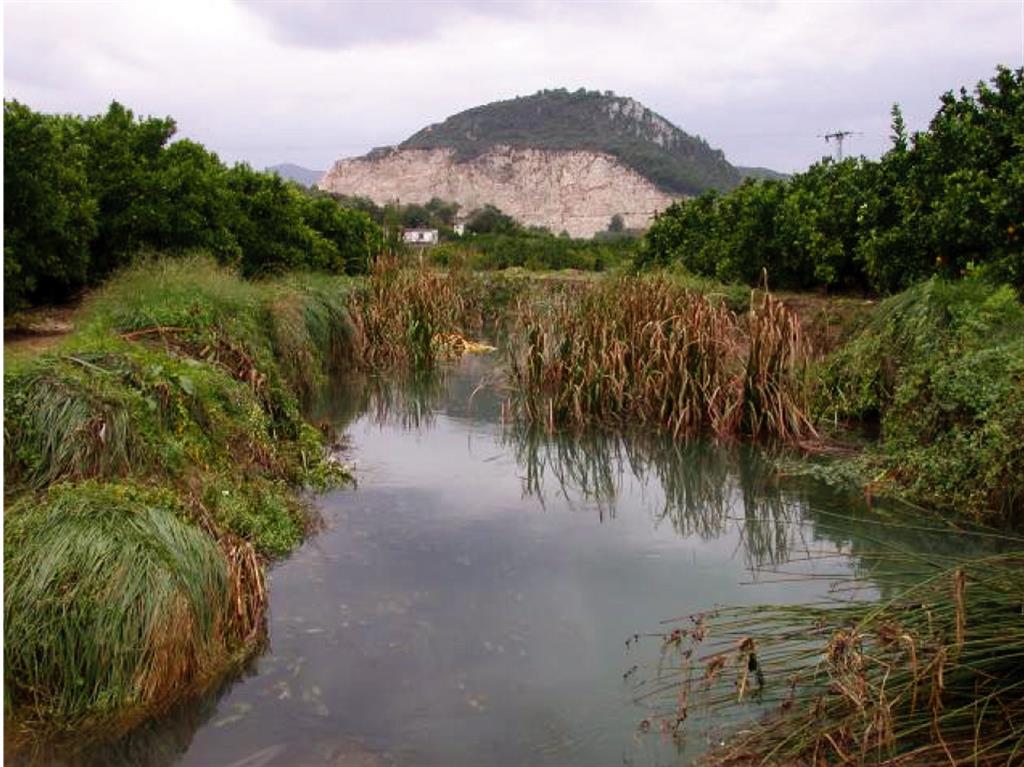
114	408
637	351
113	606
410	317
929	676
118	409
941	368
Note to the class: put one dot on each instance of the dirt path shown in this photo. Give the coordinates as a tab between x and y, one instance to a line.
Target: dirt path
29	333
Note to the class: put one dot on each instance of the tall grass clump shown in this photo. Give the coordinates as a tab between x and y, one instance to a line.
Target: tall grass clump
940	368
410	317
931	675
648	352
113	606
312	333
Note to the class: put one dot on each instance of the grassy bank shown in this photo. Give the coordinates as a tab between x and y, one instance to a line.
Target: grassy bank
153	460
156	459
940	370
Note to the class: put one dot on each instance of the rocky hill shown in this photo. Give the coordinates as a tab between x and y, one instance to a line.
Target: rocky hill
641	139
573	191
564	160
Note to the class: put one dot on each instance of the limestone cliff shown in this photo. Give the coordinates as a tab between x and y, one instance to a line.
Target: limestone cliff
577	191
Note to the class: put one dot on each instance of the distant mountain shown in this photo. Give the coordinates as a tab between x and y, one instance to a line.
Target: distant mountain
297	173
762	174
641	139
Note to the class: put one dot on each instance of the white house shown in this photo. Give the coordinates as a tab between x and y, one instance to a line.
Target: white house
419	236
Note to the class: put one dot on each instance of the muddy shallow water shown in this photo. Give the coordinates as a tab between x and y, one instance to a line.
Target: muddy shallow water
469	602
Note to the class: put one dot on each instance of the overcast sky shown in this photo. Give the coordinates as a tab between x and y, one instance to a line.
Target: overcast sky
309	82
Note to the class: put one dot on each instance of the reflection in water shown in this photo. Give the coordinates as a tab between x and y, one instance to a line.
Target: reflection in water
458	609
703	488
407	401
157	743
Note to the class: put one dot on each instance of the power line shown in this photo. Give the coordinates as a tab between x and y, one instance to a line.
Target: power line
839	136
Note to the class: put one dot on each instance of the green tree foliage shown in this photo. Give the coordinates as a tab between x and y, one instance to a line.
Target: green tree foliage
534	249
353	237
269	225
490	220
83	196
938	202
442	213
393	217
192	204
123	168
49	214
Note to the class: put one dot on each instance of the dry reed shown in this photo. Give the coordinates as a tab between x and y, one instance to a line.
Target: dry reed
405	317
647	352
930	676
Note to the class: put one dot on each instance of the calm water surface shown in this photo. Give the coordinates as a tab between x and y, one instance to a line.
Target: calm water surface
469	602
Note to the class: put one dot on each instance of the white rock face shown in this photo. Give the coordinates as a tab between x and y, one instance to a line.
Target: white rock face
573	191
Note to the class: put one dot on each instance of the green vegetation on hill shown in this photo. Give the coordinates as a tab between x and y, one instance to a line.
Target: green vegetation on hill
586	120
938	202
762	174
83	196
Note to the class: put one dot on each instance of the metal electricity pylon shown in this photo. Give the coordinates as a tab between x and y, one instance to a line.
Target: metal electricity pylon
839	136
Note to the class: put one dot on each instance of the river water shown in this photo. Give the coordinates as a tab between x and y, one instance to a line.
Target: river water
470	601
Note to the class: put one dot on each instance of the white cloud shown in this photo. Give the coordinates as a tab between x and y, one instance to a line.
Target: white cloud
759	80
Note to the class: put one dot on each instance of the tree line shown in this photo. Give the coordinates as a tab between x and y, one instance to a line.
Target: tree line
945	200
83	196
